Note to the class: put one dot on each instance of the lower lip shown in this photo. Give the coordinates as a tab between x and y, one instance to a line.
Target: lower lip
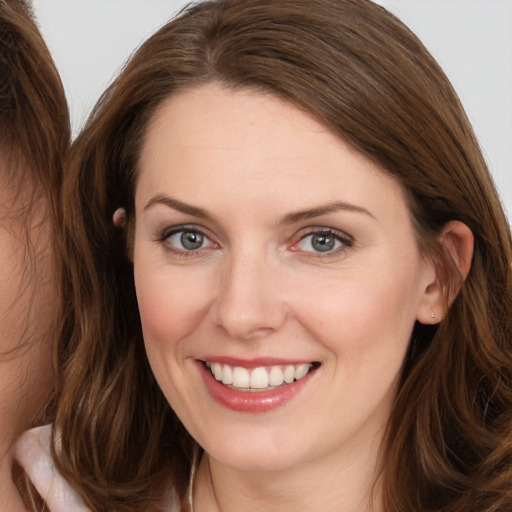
251	401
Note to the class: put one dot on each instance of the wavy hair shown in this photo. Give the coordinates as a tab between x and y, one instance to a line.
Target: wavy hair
34	116
34	143
365	76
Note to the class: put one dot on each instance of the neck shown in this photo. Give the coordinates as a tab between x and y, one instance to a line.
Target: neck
336	482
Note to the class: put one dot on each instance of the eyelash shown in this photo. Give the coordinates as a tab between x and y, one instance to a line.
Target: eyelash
344	240
164	236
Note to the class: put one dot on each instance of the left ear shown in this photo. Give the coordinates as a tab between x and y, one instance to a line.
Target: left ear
456	244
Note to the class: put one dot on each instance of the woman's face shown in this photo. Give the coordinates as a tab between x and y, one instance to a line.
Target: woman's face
27	305
270	253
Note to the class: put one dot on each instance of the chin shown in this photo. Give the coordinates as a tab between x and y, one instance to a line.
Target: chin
255	462
255	454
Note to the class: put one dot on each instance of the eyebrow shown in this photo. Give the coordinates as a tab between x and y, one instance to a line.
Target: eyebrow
178	205
333	207
290	218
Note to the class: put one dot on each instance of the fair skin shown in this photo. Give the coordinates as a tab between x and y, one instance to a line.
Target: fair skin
27	313
264	241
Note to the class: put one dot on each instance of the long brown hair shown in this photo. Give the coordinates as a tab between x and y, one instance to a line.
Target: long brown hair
34	116
34	142
363	74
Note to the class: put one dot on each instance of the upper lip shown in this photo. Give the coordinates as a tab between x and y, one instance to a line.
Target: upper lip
254	362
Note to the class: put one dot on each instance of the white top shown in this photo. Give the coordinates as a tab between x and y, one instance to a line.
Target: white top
32	451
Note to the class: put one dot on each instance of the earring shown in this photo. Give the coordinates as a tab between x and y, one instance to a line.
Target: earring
433	315
119	218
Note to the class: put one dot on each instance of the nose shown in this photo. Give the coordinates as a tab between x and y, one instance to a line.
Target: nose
250	303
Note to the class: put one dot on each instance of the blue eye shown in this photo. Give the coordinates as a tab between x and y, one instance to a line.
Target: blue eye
322	242
187	240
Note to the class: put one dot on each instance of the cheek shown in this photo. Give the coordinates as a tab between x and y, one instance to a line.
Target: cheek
28	307
171	304
27	288
363	312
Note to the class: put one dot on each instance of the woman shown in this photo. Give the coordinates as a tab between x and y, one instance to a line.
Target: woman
289	275
34	137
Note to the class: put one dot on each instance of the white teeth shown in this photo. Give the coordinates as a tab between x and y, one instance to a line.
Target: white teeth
258	378
275	377
289	374
240	377
217	371
227	375
301	370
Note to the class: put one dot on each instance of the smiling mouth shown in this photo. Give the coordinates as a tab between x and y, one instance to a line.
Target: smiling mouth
264	378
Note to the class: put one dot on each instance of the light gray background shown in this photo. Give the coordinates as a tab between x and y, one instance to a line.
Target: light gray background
471	39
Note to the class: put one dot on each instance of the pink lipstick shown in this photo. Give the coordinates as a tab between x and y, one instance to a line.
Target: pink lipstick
258	385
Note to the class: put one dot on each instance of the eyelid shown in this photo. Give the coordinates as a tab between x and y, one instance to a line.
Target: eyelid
164	234
343	237
172	230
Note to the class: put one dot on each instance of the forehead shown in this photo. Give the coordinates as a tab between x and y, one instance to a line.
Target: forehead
210	140
217	117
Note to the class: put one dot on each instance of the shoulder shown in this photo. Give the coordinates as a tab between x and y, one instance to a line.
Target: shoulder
32	451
